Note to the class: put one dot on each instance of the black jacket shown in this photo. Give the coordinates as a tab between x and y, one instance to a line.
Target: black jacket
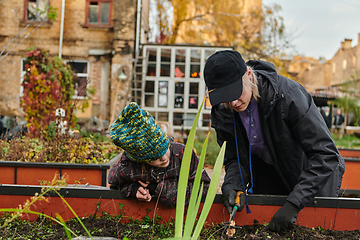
300	144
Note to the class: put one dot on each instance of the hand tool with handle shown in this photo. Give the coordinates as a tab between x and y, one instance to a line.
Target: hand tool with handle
229	230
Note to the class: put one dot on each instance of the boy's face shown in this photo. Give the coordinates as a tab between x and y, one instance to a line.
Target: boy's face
161	162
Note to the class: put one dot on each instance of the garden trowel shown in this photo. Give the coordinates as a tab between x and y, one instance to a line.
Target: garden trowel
230	228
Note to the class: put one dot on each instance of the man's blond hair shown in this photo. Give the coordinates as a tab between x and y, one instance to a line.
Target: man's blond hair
251	85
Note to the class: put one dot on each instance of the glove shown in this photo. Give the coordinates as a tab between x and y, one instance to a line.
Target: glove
284	218
229	200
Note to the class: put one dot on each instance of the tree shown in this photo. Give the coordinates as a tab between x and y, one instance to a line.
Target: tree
257	31
349	102
48	85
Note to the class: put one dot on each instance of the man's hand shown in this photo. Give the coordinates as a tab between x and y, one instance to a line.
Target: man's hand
284	218
143	194
229	201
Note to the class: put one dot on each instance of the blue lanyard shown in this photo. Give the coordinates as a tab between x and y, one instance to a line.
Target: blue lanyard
238	158
251	175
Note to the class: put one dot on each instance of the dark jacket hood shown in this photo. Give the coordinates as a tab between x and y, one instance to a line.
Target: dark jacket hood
264	69
267	83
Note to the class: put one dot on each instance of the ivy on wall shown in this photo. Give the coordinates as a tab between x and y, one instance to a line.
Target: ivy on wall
48	85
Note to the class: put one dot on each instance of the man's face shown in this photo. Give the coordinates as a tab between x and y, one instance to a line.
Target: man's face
240	104
161	162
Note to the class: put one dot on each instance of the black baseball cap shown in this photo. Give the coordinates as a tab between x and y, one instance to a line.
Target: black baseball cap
223	74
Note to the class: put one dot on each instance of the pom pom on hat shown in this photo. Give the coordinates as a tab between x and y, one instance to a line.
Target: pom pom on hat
137	132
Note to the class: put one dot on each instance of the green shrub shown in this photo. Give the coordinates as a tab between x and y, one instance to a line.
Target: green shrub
60	148
212	149
349	141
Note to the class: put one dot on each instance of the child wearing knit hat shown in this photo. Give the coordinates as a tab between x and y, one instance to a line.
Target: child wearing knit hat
150	165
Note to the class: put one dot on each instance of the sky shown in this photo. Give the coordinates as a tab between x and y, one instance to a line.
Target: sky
319	26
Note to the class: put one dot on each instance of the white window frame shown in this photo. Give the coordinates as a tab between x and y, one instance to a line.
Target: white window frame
22	74
188	113
86	75
39	17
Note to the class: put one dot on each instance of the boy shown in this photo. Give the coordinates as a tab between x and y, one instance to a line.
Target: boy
150	165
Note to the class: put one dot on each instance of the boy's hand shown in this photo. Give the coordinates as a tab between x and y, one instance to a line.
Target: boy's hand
144	184
143	194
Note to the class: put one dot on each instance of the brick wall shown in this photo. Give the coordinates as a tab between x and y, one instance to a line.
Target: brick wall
78	42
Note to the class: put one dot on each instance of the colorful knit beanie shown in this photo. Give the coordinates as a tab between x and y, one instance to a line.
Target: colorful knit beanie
137	132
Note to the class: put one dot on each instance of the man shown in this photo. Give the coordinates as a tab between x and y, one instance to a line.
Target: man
327	116
338	119
275	119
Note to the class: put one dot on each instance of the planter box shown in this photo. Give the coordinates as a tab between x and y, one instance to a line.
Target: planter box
30	173
350	153
328	213
351	177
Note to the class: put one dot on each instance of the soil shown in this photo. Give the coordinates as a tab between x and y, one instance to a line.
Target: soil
112	227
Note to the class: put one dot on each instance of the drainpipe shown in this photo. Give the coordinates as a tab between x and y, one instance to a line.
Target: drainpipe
61	28
138	19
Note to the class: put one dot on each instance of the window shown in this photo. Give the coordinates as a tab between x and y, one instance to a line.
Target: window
179	63
195	71
173	87
193	95
353	61
81	76
36	10
98	13
179	95
151	70
149	93
165	62
163	91
23	72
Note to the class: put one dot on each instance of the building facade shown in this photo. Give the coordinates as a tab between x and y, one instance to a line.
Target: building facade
96	37
327	75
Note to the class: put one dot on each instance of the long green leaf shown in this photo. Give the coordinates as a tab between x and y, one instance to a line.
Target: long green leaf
195	194
65	228
72	210
193	218
214	183
183	177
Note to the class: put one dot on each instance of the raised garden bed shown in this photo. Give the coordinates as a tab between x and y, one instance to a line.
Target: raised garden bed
30	173
350	153
327	213
351	177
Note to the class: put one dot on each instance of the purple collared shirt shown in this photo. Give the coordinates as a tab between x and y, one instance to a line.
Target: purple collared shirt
258	145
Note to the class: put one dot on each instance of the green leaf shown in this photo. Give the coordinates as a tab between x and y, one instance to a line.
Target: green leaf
183	177
214	183
192	209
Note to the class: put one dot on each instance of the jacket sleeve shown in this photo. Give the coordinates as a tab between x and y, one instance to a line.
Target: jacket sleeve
311	132
120	177
167	189
222	122
113	178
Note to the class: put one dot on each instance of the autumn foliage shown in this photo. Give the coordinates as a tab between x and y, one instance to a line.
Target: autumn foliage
48	85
